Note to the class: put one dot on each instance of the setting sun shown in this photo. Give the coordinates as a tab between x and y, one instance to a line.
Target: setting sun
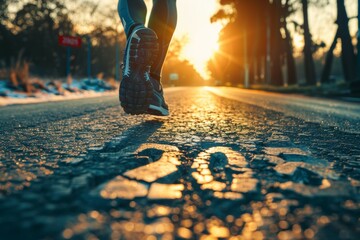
194	23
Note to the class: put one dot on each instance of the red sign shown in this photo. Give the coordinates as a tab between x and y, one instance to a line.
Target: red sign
69	41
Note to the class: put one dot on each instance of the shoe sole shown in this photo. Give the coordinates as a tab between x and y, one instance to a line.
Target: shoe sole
136	90
158	111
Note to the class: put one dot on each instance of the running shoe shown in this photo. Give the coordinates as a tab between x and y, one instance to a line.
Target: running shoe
158	105
136	90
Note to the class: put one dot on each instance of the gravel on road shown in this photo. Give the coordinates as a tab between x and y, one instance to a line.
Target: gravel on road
217	168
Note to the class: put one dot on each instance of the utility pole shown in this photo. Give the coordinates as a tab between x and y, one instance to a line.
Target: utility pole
68	61
268	50
246	63
88	57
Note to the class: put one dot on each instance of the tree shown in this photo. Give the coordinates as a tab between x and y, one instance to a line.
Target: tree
348	57
326	71
289	9
276	43
243	41
310	73
34	28
6	36
347	49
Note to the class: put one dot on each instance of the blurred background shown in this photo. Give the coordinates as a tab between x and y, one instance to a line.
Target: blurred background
282	45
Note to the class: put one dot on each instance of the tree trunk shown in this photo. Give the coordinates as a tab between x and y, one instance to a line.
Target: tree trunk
292	78
290	61
276	73
347	49
254	52
310	73
325	75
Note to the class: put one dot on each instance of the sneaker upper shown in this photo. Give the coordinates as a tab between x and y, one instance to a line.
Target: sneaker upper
158	105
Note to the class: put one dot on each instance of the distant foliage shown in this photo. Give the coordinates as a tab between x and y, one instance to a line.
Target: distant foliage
256	45
188	76
34	28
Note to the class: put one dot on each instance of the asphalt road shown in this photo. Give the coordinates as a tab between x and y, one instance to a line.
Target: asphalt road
226	163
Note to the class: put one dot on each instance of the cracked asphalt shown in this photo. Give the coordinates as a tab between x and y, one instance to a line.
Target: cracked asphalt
227	164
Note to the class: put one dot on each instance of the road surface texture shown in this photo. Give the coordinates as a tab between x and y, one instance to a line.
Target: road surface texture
227	164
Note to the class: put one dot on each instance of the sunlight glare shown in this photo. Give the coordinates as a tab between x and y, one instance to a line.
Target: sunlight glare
194	23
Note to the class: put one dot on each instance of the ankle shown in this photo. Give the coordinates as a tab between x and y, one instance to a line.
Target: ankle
156	76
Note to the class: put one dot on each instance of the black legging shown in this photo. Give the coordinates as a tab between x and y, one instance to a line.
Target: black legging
162	20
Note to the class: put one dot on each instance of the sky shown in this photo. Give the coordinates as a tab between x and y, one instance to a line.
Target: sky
202	36
194	23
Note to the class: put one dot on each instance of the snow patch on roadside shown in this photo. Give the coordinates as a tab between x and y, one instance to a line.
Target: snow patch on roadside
85	88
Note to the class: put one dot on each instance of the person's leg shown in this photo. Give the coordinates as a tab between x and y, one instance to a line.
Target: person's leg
162	20
132	13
